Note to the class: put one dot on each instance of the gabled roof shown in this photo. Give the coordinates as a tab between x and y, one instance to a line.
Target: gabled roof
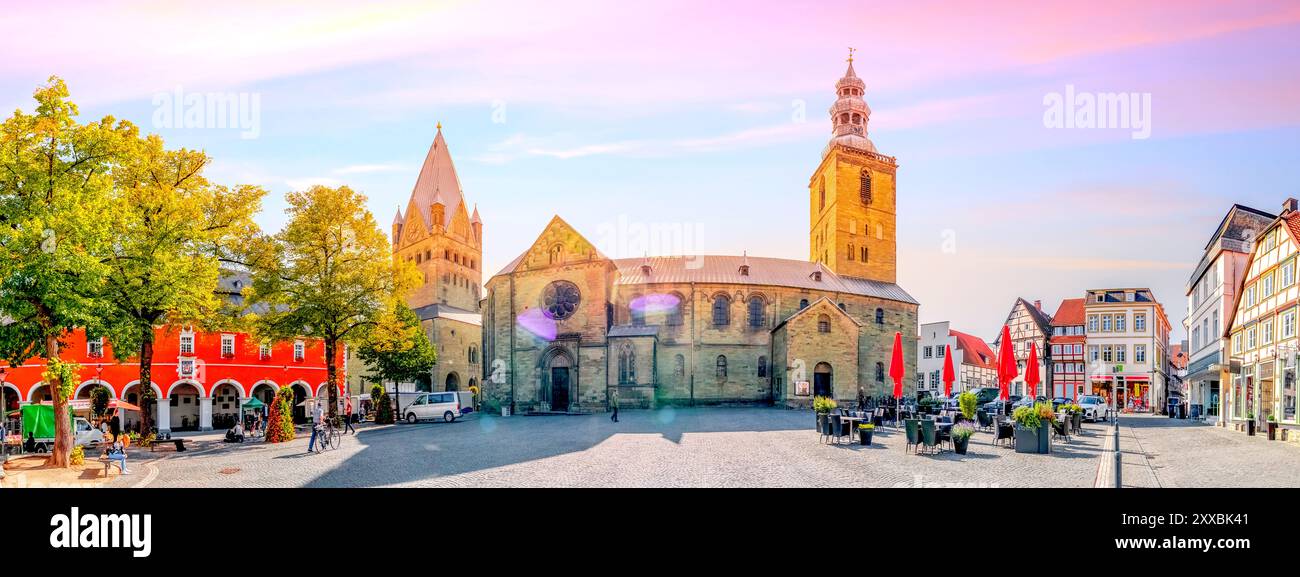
437	183
441	311
1290	222
1069	313
556	221
1239	224
977	352
1042	319
809	309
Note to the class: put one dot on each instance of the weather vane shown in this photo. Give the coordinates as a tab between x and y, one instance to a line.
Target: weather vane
851	51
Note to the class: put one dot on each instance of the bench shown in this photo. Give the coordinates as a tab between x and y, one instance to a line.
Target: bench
178	443
108	463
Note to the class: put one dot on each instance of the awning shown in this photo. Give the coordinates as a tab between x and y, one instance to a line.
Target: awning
253	403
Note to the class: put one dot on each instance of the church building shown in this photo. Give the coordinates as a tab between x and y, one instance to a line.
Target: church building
572	330
444	240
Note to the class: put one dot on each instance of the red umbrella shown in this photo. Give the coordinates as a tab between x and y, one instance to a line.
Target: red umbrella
949	375
1031	370
1007	370
896	368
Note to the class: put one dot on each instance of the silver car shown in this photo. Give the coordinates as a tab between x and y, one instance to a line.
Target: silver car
1094	408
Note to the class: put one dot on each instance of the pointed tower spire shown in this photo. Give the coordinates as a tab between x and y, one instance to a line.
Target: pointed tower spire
397	219
475	219
850	113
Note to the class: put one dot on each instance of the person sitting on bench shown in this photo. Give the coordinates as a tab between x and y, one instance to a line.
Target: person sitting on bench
117	452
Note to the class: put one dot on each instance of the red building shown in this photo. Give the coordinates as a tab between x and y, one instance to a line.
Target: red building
200	378
1067	342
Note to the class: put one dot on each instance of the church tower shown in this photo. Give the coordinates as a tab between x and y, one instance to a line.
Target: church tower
438	234
852	204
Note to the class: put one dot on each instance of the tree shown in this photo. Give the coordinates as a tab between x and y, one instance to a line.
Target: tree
396	349
329	274
172	231
55	185
99	398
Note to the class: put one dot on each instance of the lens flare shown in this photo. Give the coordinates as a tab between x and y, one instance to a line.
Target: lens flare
537	323
654	303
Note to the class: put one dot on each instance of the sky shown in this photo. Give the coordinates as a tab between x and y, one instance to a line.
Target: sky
676	127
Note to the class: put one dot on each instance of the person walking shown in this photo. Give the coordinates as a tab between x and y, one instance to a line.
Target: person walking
347	416
318	421
613	402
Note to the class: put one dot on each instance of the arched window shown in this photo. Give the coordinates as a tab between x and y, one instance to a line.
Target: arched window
880	316
636	308
762	367
851	256
864	253
722	366
679	366
803	304
756	315
823	324
557	253
864	187
880	372
821	194
673	317
721	311
627	365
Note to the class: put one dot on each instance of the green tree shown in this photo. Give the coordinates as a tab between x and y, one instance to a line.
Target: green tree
99	398
55	187
172	231
397	350
328	274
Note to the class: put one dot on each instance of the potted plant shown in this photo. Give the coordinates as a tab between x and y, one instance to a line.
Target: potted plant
961	434
1272	428
1028	424
864	433
1048	417
1250	424
969	403
823	407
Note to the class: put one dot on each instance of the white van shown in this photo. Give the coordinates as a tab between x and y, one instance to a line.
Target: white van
447	406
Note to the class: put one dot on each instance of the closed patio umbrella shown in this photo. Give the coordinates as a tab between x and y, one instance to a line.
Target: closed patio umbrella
949	375
1031	371
1007	370
896	371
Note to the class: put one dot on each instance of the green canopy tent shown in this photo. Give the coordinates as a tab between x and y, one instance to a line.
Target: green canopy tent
251	404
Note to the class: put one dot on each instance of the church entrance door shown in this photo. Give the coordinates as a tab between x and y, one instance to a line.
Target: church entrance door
559	388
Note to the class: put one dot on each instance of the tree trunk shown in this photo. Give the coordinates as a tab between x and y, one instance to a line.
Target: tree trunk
332	382
146	380
62	426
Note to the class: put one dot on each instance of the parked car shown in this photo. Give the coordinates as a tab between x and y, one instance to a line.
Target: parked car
1058	401
1094	408
447	406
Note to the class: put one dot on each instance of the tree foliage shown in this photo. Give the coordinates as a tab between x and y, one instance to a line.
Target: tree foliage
328	274
171	232
397	350
55	192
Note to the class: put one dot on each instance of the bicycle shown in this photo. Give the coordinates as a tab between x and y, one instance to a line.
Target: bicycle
329	437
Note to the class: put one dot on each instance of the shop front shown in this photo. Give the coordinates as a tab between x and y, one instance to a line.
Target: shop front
1132	392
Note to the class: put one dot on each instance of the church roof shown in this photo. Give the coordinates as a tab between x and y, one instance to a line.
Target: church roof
437	183
762	271
442	311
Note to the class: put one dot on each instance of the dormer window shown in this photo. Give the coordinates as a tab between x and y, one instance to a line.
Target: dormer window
645	269
817	276
744	270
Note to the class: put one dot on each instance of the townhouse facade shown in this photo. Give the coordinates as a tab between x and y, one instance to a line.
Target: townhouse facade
1211	295
1262	331
1069	368
1029	324
1127	347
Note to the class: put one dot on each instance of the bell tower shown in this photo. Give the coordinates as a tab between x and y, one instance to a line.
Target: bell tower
852	204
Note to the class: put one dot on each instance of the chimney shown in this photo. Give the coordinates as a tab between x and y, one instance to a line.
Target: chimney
1289	206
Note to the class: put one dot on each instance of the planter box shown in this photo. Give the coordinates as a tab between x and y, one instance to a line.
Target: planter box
1026	440
1045	439
864	437
1272	431
1250	427
960	445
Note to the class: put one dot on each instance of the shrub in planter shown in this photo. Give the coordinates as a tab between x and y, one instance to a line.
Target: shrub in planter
865	431
969	404
279	418
1272	428
824	404
1250	424
961	435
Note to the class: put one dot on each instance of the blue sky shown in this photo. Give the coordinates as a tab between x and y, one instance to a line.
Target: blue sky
685	116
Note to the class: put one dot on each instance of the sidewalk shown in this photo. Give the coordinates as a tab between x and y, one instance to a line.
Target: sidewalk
30	471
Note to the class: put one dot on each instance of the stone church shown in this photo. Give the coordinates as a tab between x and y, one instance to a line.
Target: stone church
571	329
444	240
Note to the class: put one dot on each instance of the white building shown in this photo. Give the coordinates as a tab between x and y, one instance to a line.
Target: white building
1211	294
972	359
1127	347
